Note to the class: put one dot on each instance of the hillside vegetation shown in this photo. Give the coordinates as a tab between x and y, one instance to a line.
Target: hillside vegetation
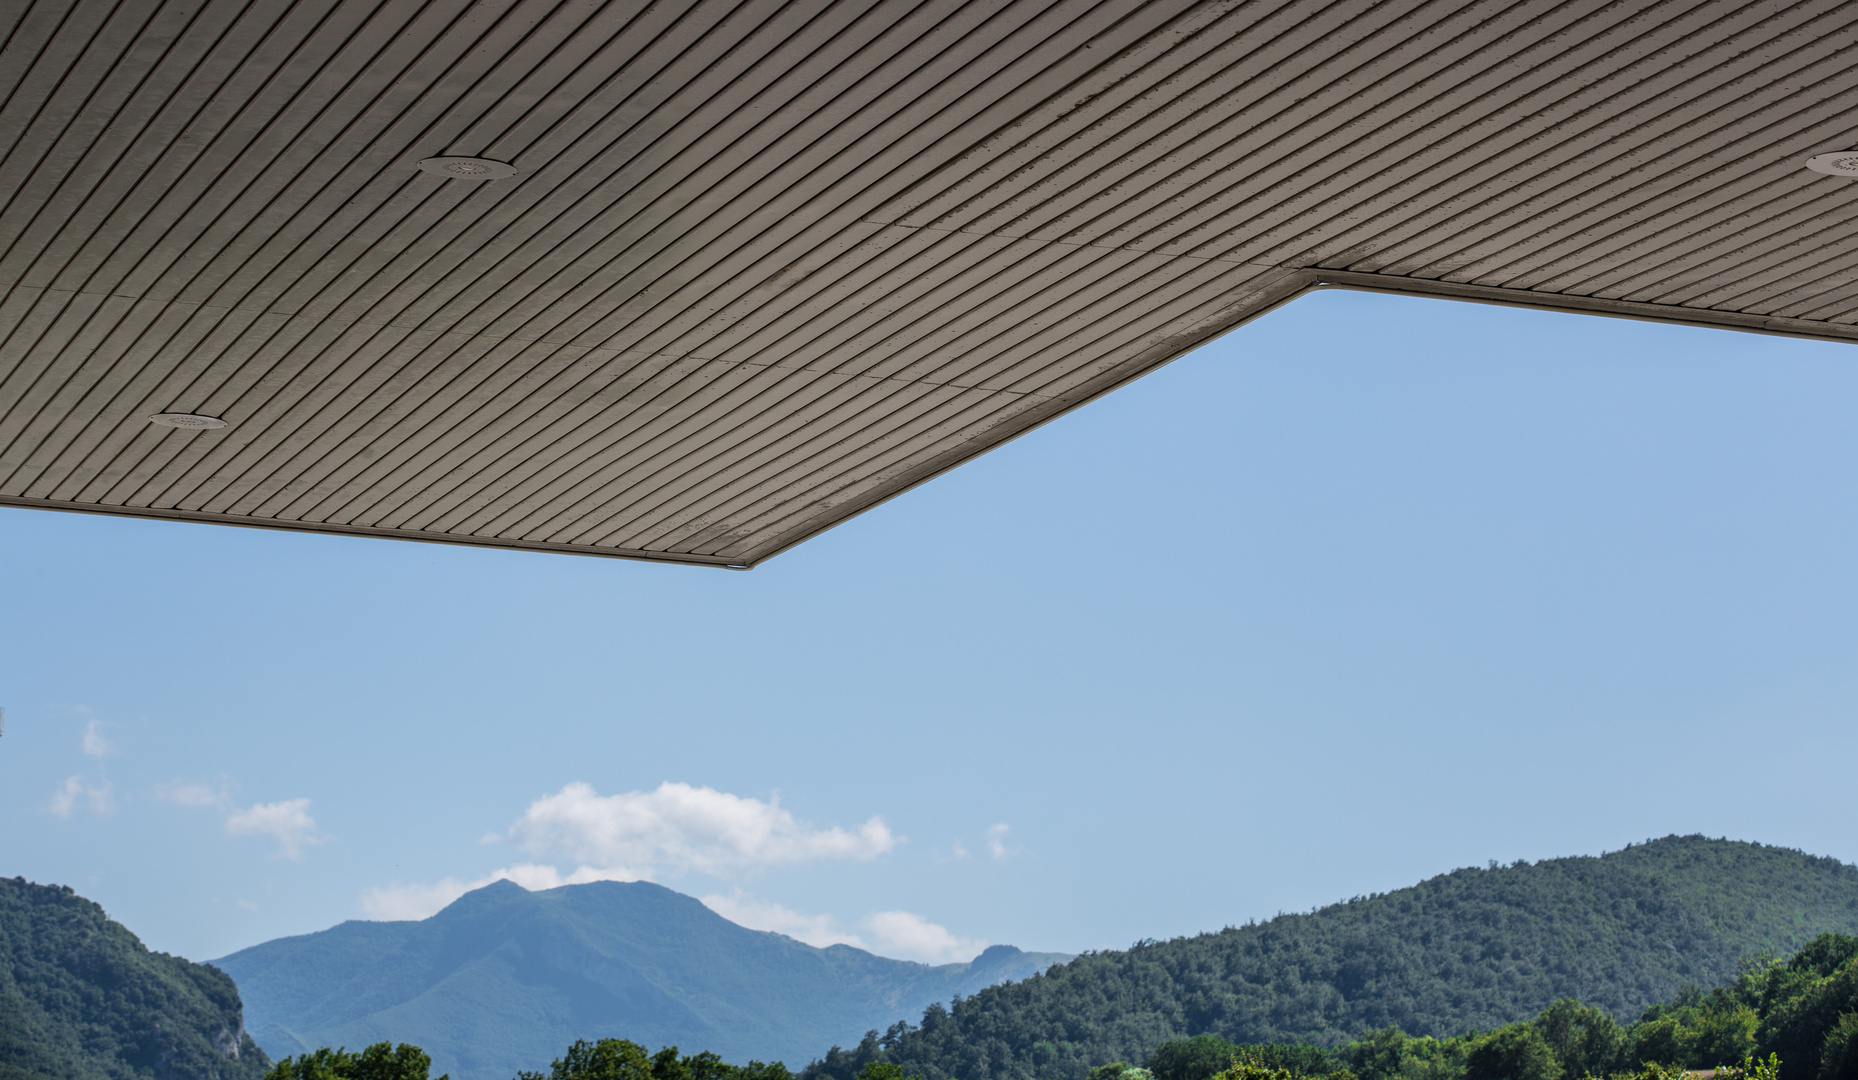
82	999
1800	1014
1468	951
504	978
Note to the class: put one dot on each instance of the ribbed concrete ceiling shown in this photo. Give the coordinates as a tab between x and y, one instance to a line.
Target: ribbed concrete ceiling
766	264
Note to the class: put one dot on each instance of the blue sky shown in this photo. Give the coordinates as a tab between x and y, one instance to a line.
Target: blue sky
1370	589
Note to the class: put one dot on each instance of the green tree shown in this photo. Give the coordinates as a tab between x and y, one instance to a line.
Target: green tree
1197	1058
1586	1041
1838	1058
1754	1068
711	1066
607	1059
382	1061
1299	1059
1247	1067
1721	1035
1653	1070
883	1070
1378	1055
1659	1039
622	1059
666	1065
1277	1062
1436	1059
1803	1001
1516	1052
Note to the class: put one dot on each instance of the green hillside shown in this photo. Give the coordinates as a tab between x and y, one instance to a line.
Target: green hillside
503	979
1465	951
82	999
1795	1017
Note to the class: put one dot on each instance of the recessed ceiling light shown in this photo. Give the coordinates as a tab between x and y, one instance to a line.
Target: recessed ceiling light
186	421
468	168
1842	163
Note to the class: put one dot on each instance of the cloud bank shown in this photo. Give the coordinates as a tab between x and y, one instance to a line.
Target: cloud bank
817	930
901	934
683	828
909	935
680	828
676	828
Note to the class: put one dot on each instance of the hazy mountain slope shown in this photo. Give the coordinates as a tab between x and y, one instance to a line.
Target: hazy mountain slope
504	979
1463	951
82	999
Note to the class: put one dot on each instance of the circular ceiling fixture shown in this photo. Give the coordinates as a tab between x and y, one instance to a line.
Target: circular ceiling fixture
468	168
187	421
1841	163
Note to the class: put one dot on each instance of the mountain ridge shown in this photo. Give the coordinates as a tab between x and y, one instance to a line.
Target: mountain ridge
1463	951
504	978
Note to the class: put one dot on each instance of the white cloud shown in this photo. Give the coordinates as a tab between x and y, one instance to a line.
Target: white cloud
288	822
912	937
95	744
404	903
996	841
902	934
631	837
745	910
680	827
74	791
396	903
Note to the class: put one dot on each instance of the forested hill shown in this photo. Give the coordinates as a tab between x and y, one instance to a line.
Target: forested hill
1465	951
81	999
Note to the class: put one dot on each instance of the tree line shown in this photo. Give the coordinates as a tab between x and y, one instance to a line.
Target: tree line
1793	1019
586	1059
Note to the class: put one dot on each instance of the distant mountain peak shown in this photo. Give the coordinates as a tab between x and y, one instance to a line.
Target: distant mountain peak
503	979
498	893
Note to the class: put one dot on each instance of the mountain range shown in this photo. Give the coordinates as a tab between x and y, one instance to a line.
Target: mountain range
504	979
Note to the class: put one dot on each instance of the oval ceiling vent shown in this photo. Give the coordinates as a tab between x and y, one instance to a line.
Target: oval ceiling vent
1842	163
468	168
186	421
